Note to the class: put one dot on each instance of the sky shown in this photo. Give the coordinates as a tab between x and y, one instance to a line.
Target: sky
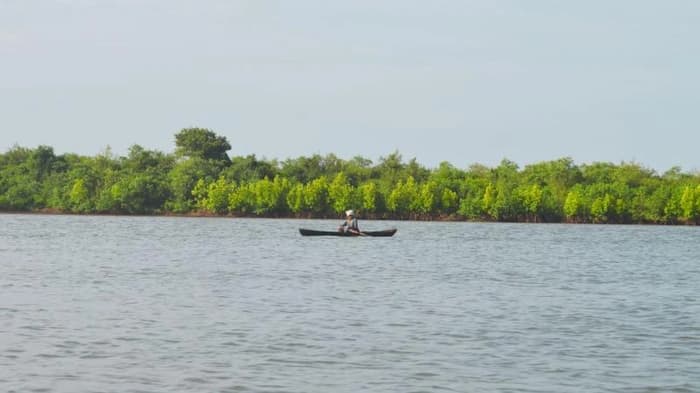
459	81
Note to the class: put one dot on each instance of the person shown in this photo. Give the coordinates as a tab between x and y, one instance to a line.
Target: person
350	224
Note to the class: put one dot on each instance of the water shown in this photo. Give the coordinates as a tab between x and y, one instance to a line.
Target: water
139	304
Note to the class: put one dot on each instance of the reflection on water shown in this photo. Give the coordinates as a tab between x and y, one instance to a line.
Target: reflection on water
138	304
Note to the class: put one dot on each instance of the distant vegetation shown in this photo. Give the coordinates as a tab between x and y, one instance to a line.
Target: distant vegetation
200	178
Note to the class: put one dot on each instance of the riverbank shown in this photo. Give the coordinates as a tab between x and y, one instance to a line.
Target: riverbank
154	183
418	218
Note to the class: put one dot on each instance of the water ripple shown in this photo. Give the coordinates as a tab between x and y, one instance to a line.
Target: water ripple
138	304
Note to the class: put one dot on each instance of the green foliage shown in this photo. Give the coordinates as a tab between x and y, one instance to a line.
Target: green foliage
574	208
316	195
447	176
184	176
358	170
340	193
489	203
653	203
403	199
200	176
142	160
201	143
673	209
426	199
218	195
302	169
528	201
213	197
600	208
448	201
41	162
79	197
391	167
369	197
269	196
19	196
264	196
689	204
559	174
472	190
249	168
200	192
139	193
242	199
306	169
599	172
295	198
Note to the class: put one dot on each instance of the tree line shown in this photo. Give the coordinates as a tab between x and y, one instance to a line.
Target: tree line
200	178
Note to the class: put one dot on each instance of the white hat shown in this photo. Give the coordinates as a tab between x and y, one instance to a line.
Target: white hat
350	213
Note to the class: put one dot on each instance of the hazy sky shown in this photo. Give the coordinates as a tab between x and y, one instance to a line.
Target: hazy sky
458	81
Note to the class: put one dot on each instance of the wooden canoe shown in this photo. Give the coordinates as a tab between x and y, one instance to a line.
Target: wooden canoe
312	232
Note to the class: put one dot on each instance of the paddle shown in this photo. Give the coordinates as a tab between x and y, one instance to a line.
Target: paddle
355	232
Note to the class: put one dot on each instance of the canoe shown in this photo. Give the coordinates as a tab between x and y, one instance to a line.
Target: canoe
311	232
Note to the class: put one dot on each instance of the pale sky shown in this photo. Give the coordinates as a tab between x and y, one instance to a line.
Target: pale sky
459	81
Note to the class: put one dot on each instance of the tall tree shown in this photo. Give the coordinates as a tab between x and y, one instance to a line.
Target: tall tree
202	143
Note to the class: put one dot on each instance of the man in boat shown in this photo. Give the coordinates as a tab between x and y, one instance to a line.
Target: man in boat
350	224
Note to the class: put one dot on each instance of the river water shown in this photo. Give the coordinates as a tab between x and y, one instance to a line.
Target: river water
166	304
